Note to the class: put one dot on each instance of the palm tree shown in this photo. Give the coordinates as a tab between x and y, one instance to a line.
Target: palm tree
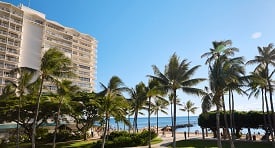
21	85
151	91
138	97
257	86
237	81
171	101
220	75
110	102
206	105
177	75
53	64
64	90
189	107
266	60
160	105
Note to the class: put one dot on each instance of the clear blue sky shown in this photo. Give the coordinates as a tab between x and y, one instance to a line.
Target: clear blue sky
132	35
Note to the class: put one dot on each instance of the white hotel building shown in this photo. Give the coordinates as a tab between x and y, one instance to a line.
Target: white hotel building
25	34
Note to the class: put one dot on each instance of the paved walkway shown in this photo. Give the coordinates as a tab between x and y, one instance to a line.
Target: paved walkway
167	140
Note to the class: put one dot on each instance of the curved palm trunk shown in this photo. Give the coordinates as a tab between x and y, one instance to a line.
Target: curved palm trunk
57	122
174	118
36	113
149	123
219	143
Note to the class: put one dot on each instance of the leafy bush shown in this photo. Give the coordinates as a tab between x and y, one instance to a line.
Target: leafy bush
125	139
62	136
118	134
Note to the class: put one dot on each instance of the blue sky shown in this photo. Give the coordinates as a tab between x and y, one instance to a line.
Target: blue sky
133	35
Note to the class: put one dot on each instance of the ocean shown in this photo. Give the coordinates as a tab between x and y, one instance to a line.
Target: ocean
163	122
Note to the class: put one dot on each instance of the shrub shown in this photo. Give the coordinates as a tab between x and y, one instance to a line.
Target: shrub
125	139
61	136
117	134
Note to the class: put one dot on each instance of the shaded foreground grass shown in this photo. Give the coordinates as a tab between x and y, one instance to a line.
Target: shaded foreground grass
156	140
71	144
225	144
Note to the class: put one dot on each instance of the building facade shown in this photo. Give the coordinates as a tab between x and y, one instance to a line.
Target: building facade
25	34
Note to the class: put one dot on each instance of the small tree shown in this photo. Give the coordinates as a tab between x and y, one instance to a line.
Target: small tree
189	107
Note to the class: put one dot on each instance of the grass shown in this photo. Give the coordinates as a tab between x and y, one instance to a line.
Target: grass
70	144
156	140
78	144
213	144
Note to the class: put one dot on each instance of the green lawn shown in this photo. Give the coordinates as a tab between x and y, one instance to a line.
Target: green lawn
156	140
73	144
225	144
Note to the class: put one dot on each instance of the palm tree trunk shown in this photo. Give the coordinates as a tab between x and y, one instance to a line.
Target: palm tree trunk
230	112
129	127
57	123
272	109
226	124
264	115
117	126
36	113
175	116
149	123
202	132
108	128
105	131
233	118
188	126
268	116
157	122
17	126
135	122
219	143
172	117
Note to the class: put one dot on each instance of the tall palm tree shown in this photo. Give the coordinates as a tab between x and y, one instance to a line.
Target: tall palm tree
64	90
138	97
24	80
177	75
236	73
257	86
171	101
220	75
152	90
189	107
160	105
110	102
206	105
53	64
266	60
